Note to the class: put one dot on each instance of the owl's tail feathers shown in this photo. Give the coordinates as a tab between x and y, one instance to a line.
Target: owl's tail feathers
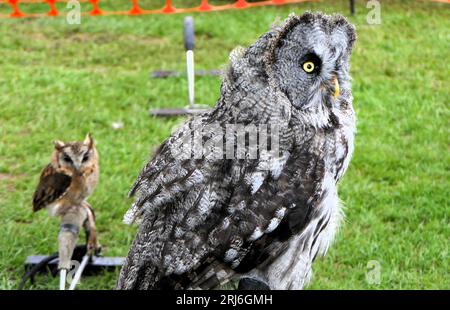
137	277
211	276
138	271
145	276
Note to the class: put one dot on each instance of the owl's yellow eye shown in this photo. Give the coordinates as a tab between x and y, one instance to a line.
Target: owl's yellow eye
308	66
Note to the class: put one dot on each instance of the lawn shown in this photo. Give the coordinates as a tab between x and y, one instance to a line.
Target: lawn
59	81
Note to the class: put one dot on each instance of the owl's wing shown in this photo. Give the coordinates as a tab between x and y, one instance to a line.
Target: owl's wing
218	220
52	185
261	217
166	176
200	216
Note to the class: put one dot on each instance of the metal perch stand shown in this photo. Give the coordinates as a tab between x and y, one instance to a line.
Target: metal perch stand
192	108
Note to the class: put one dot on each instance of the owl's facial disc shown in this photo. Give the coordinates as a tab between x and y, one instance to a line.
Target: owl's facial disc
74	156
310	62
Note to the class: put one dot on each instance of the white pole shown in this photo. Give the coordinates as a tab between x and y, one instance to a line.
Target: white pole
190	75
62	279
80	269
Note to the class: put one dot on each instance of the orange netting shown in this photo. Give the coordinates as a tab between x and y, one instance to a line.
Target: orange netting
135	9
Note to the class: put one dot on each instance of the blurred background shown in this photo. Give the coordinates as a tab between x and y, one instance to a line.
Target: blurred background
60	81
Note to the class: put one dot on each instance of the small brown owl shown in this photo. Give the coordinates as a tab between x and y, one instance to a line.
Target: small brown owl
66	183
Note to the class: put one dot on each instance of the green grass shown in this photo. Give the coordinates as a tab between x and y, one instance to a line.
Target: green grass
59	81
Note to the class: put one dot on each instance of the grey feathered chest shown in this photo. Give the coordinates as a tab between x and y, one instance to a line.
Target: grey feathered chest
265	207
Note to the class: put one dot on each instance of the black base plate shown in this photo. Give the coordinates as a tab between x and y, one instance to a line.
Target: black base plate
95	265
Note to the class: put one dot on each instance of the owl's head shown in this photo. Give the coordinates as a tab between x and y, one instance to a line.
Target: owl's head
75	156
309	59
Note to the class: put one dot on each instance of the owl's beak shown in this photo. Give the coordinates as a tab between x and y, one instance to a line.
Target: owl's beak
336	87
77	165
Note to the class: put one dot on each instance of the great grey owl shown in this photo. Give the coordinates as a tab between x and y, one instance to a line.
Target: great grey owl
204	220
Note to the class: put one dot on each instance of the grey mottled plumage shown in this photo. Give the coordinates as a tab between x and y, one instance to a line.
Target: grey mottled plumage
204	221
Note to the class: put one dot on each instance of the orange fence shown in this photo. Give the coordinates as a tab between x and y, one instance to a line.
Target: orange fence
135	9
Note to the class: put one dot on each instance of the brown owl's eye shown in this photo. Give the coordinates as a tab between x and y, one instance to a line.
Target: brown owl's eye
67	159
85	157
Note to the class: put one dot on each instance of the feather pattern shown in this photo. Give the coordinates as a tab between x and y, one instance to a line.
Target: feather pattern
206	219
52	186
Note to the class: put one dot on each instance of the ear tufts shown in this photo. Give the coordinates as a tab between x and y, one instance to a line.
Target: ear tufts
88	140
59	145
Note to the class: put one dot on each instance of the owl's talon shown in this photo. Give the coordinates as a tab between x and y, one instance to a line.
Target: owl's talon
98	250
94	249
